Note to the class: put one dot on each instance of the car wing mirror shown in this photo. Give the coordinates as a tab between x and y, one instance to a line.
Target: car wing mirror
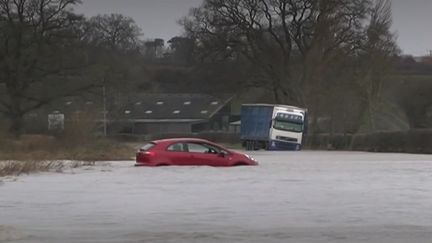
222	154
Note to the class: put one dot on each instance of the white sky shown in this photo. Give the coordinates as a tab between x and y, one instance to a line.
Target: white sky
158	18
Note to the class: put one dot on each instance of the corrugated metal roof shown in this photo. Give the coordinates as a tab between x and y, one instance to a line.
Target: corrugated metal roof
171	106
144	107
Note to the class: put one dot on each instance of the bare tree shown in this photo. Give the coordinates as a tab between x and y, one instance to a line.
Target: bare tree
114	49
275	35
37	40
114	31
249	29
181	49
377	57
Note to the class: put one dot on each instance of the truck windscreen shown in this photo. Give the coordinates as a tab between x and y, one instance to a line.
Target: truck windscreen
288	126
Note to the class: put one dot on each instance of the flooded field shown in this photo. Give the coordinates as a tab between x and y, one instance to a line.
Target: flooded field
291	197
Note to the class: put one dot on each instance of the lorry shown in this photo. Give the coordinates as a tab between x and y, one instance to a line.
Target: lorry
273	127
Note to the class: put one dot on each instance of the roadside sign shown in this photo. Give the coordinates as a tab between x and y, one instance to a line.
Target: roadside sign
56	121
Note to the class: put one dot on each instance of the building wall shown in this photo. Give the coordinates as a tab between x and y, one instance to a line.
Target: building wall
220	121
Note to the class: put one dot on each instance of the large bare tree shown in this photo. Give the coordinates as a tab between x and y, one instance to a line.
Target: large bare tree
114	31
296	46
115	51
377	57
38	40
276	34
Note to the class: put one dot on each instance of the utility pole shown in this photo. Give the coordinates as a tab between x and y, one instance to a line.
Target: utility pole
104	109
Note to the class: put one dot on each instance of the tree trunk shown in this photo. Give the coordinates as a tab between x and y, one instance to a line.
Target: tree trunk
17	124
15	114
371	116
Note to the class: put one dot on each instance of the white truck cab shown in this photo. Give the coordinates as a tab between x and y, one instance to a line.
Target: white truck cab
288	126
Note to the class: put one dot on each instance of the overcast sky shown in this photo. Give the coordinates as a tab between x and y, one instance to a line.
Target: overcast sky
158	18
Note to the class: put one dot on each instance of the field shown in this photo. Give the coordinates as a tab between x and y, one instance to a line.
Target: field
311	197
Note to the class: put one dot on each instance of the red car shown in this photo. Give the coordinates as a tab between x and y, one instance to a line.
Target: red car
189	151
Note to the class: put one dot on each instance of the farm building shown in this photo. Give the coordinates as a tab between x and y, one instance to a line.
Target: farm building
141	114
172	114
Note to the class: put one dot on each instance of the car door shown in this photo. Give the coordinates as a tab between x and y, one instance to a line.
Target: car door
206	154
178	155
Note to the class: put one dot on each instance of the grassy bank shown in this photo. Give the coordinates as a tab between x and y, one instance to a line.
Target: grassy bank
44	153
410	141
42	148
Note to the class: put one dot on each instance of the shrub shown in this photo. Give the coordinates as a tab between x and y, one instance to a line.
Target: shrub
411	141
44	148
17	167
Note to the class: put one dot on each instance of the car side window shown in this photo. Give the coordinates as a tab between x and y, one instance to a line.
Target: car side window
177	147
212	149
196	148
202	148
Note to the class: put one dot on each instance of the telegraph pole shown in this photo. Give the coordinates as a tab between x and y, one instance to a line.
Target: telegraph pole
104	109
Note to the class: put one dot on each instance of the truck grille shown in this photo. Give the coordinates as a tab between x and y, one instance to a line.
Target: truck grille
286	139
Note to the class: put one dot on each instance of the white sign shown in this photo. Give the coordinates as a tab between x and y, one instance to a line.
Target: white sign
56	121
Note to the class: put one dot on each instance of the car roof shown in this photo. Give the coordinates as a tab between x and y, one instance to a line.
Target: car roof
170	140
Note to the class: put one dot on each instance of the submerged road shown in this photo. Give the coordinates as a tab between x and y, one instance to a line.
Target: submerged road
291	197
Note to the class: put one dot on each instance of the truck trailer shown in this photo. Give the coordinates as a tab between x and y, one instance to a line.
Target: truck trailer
273	127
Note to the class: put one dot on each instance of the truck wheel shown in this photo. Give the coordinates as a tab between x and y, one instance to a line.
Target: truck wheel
247	145
267	146
256	146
